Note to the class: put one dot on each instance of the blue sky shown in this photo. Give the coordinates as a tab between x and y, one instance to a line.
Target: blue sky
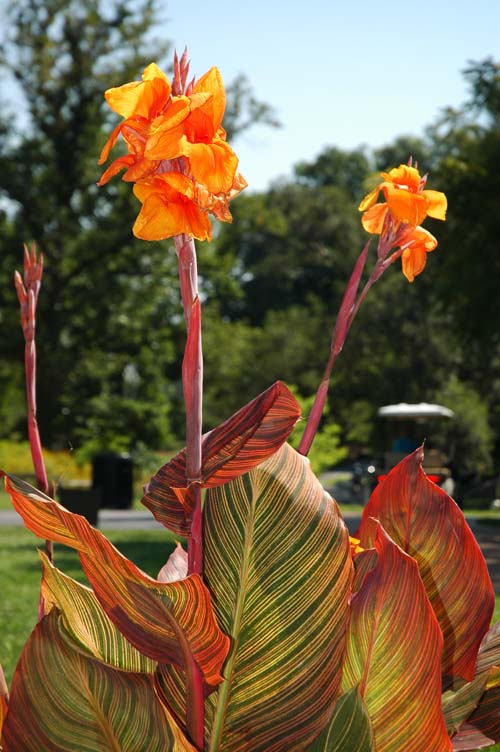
338	73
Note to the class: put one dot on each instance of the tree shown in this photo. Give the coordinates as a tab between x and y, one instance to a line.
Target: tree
109	331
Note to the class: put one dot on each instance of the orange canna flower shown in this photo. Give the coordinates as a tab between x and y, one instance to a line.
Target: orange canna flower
177	154
406	196
397	221
416	246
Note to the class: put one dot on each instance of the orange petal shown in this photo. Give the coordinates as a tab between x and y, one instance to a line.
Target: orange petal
413	260
109	144
403	175
140	169
212	83
373	218
405	205
370	199
166	214
165	143
115	167
152	71
143	98
436	204
213	165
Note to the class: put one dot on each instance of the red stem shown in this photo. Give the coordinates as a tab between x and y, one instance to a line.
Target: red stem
192	379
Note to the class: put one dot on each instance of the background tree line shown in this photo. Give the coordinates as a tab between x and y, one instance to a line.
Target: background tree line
110	333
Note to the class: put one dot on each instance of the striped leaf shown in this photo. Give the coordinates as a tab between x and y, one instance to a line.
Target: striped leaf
460	704
168	622
242	442
4	699
85	621
393	653
427	524
349	729
62	700
277	561
484	721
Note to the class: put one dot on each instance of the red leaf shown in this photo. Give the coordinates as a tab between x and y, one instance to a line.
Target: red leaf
427	524
393	653
242	442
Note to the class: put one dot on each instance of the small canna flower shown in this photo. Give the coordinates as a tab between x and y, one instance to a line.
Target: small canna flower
397	221
406	197
177	154
354	545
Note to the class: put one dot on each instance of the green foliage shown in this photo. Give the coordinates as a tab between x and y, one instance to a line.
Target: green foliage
326	450
469	436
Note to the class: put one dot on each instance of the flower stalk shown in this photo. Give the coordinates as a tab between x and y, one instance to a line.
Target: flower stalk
396	221
28	288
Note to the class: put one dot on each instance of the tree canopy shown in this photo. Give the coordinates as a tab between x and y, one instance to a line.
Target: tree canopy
110	334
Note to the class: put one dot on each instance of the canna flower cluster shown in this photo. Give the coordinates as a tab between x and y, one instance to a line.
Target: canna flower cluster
397	221
177	155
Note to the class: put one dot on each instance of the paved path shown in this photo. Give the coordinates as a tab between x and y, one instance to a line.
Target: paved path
488	536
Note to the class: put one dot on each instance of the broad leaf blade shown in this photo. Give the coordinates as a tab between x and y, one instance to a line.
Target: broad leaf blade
349	729
278	563
88	625
61	700
427	524
242	442
485	720
162	620
460	704
393	653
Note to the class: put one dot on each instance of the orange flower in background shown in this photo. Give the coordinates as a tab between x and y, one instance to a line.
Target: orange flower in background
397	221
406	197
178	157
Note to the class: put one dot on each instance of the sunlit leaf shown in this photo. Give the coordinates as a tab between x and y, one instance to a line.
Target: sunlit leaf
242	442
427	524
349	729
89	626
458	705
279	566
168	622
393	653
484	721
62	700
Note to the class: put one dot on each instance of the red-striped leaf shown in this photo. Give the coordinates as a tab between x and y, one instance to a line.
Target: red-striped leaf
393	653
349	730
63	700
485	720
162	620
427	524
278	564
242	442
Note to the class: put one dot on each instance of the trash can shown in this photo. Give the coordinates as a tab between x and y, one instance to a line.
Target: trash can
81	500
112	476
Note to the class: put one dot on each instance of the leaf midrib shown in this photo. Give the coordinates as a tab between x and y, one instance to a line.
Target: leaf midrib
223	693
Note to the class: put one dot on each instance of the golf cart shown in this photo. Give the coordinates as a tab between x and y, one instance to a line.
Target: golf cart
407	426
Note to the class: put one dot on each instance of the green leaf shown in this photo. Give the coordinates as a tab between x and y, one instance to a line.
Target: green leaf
393	656
231	449
62	700
349	729
427	524
278	564
87	623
